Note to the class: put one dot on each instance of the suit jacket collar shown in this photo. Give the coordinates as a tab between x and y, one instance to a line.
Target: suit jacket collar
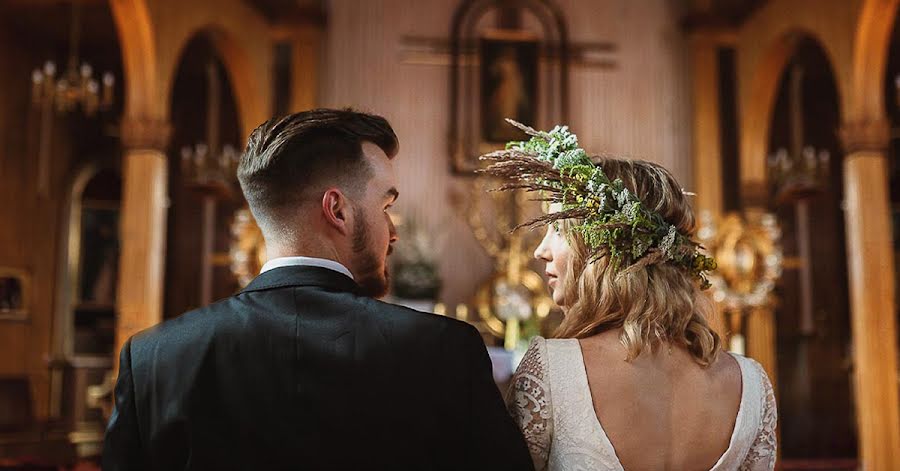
298	275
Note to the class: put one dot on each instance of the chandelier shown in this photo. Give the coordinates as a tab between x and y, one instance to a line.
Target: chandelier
77	85
202	167
796	177
209	166
803	171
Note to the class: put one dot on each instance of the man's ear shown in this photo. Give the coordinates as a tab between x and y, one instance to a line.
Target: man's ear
336	210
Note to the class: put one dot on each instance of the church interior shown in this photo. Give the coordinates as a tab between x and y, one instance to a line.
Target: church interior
121	123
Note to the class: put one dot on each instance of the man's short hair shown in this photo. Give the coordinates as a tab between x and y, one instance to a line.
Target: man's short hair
288	157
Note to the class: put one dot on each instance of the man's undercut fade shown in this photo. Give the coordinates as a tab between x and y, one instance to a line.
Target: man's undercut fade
289	159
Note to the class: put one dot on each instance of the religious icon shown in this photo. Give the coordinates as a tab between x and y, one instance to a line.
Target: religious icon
13	294
99	254
508	86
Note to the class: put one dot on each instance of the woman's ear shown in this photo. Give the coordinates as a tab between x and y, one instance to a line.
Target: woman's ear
336	210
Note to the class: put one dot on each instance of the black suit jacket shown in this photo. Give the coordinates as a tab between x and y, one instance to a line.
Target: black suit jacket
297	371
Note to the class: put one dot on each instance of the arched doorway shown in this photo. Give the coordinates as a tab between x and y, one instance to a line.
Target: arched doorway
804	190
204	196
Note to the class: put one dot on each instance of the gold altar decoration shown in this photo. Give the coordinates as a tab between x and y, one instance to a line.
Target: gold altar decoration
515	294
749	258
248	248
750	261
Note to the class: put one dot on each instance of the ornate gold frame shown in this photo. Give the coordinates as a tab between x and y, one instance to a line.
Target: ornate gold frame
533	282
247	253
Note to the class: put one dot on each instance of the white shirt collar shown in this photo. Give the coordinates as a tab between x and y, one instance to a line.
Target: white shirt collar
307	262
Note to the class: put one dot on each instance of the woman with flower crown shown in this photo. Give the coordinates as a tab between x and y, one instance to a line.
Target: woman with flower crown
635	378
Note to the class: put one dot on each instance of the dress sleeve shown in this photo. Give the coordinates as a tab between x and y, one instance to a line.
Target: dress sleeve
528	400
761	456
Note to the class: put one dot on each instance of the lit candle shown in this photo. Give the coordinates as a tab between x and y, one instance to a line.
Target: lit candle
824	158
186	160
226	158
200	158
108	81
511	339
440	309
462	312
37	82
809	157
62	95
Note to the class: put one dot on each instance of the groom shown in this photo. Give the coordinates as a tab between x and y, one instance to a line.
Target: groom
304	369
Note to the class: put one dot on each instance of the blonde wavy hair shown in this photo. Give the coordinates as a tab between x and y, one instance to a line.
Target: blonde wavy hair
653	304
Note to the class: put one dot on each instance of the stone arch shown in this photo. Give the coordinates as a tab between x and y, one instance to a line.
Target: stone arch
870	50
242	38
152	42
252	107
137	38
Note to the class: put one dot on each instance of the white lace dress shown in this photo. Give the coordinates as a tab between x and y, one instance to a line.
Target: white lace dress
551	402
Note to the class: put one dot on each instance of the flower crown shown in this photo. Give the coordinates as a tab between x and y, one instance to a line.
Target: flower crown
612	220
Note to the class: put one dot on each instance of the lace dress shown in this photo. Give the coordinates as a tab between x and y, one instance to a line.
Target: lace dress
551	402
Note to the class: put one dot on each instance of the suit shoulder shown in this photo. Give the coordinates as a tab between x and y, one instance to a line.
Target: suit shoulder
184	329
401	316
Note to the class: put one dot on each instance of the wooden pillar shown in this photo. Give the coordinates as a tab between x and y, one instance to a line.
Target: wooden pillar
870	261
305	41
305	56
706	130
707	146
142	227
761	346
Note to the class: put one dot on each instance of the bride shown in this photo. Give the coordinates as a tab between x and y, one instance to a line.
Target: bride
635	378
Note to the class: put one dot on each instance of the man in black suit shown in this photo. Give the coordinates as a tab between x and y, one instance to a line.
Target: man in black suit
303	369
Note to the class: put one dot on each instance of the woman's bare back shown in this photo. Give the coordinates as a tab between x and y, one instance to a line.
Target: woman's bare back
662	410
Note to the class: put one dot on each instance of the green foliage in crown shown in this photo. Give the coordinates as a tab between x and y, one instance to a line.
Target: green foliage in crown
610	218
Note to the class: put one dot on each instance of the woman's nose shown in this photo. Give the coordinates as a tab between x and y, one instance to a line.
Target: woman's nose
542	251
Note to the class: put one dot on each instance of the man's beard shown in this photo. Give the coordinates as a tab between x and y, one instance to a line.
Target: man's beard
372	281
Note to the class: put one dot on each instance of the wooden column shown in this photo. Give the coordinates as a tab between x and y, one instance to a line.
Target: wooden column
306	43
142	227
706	130
760	329
870	261
707	146
305	40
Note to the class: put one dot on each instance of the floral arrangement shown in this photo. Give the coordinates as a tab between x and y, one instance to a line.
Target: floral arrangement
610	218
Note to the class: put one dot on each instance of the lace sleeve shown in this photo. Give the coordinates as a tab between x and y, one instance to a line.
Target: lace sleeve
528	400
761	456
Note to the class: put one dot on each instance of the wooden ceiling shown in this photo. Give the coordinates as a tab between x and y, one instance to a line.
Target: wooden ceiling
48	21
276	10
720	13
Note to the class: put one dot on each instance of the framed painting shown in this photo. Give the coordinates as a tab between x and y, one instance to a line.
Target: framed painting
508	83
99	255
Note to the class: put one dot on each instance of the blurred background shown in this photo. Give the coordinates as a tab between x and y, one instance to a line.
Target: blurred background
121	122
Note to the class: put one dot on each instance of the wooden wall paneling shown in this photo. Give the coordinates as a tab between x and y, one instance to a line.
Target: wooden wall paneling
640	109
